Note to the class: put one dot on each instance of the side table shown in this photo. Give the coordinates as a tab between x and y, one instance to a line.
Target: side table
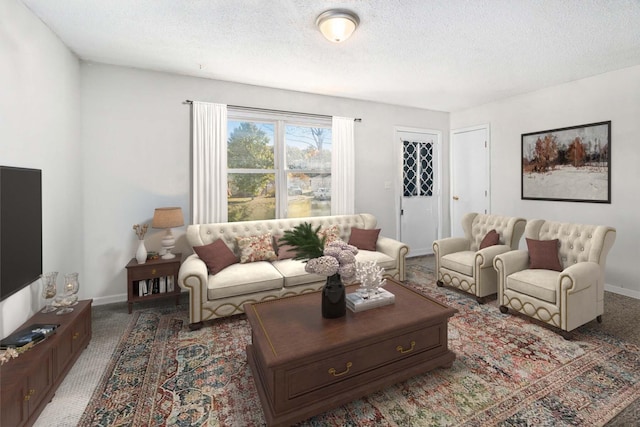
150	270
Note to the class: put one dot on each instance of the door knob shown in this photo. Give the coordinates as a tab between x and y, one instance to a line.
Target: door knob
456	198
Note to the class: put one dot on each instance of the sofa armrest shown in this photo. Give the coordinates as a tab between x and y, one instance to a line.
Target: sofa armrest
484	257
396	250
193	276
450	245
510	262
506	264
578	277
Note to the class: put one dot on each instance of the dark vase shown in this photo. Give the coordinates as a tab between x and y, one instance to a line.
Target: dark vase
334	303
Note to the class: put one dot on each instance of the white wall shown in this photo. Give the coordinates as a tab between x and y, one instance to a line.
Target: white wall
40	128
136	155
613	96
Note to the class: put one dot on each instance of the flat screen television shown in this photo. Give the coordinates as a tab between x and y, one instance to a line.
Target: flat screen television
20	228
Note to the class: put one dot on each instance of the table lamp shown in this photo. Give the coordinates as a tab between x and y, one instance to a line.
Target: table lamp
167	218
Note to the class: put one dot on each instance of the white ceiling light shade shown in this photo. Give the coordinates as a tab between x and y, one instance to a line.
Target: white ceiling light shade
337	25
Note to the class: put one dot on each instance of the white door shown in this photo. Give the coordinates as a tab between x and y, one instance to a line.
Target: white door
469	174
420	208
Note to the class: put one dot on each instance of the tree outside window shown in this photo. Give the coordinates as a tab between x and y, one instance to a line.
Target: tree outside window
278	169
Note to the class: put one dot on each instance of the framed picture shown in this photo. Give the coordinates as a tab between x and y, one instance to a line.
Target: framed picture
570	164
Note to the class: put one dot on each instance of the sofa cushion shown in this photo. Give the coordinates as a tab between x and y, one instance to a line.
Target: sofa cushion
460	262
283	250
242	279
294	273
216	256
540	284
364	239
543	254
329	233
490	239
256	248
383	260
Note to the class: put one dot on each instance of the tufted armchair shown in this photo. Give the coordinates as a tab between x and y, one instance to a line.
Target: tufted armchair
569	297
462	264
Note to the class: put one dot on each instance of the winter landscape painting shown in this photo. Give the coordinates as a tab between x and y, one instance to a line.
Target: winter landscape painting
568	164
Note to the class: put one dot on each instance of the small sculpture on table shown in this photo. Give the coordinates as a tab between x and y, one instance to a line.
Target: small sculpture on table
369	274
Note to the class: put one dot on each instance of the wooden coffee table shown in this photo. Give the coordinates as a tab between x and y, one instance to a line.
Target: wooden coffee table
303	364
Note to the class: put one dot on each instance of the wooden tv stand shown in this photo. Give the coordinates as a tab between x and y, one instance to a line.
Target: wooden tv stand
29	381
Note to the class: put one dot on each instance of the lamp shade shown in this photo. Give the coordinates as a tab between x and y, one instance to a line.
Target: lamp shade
337	25
167	218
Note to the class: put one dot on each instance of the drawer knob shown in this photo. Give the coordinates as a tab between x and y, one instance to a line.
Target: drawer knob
335	373
153	271
409	350
76	335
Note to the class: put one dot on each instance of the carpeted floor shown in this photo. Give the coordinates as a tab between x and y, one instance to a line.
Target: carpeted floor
111	322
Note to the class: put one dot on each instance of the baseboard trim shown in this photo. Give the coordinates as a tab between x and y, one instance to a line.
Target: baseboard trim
622	291
110	299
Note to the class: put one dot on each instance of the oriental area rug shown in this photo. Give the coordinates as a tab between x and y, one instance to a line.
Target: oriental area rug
508	372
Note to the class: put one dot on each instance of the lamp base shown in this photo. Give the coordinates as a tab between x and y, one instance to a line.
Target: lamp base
168	243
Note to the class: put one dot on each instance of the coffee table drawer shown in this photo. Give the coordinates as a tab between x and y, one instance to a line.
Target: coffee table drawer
316	375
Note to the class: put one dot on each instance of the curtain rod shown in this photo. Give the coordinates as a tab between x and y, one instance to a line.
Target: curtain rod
240	107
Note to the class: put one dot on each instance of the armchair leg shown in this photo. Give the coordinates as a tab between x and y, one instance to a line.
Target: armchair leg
566	335
439	283
195	326
504	309
599	318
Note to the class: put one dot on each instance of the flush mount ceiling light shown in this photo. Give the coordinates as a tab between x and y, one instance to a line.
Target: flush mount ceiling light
337	25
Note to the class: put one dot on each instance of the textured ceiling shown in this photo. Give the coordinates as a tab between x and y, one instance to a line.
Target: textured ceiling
439	54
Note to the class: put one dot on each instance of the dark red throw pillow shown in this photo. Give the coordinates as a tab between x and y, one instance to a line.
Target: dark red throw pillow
543	254
490	239
364	239
216	256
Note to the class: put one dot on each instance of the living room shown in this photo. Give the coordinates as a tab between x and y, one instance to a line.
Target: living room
113	143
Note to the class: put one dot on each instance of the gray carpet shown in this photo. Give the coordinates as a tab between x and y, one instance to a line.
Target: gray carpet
622	315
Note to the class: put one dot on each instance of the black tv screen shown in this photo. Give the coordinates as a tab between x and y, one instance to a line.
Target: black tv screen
20	228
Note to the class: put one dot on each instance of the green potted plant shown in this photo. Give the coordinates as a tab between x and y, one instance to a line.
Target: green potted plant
335	260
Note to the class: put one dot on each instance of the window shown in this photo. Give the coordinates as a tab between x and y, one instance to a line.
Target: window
417	169
279	166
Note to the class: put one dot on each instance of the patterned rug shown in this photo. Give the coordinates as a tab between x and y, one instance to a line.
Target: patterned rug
508	372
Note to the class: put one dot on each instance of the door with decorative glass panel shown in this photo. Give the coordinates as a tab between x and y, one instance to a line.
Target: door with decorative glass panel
420	215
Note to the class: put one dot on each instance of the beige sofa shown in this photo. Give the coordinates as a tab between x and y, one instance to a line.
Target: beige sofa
225	293
569	296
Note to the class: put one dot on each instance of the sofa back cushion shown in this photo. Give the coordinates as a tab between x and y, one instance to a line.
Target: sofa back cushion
577	242
476	226
228	232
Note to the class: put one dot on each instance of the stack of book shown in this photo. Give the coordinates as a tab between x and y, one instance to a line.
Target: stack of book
158	285
360	302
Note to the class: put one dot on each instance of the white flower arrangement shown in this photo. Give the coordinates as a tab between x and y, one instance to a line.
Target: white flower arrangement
338	257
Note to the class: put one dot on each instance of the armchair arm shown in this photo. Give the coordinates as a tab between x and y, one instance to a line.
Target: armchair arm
396	250
510	262
193	277
450	245
484	257
578	277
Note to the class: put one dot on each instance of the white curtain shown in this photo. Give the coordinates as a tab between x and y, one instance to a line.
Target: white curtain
209	200
342	166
